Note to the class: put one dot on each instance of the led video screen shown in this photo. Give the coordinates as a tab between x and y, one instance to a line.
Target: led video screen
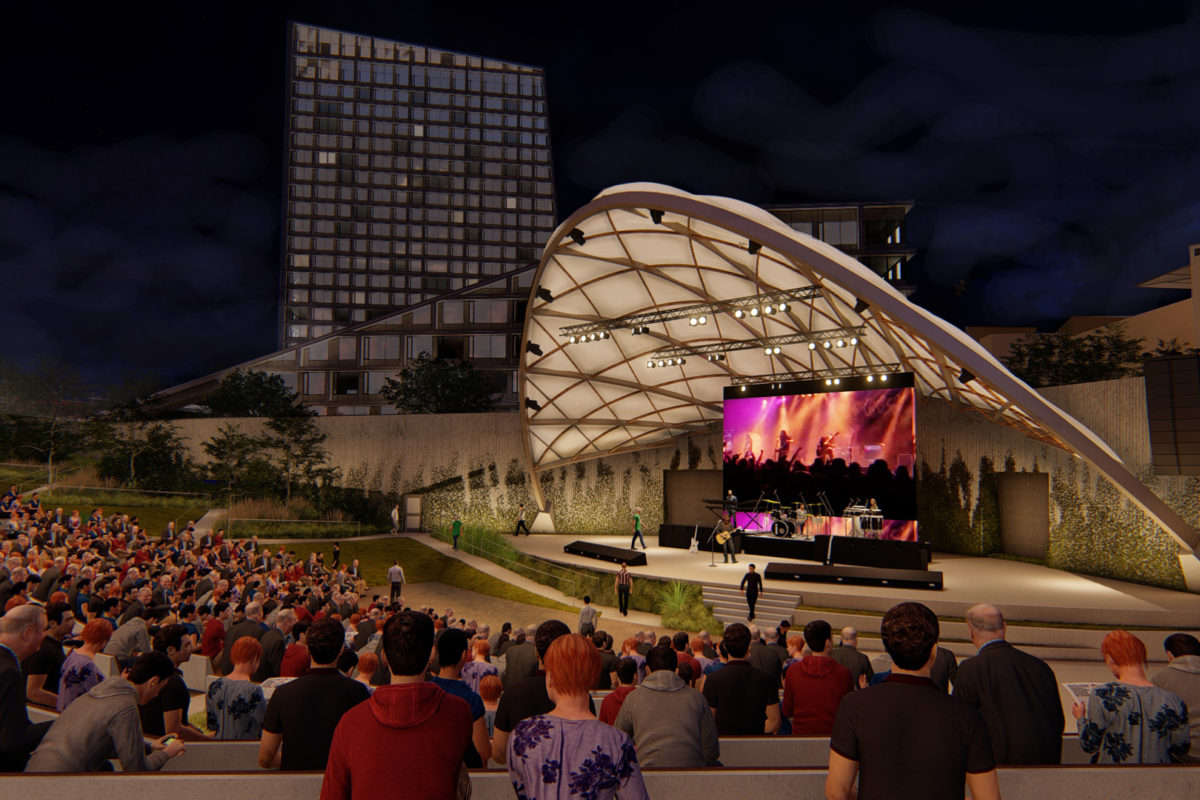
824	462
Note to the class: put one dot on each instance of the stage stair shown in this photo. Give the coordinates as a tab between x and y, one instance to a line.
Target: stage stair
729	604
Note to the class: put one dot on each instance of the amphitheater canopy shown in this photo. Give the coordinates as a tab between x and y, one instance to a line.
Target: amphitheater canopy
631	274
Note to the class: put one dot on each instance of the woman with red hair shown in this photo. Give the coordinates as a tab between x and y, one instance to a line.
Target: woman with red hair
79	671
1131	721
480	666
235	704
569	750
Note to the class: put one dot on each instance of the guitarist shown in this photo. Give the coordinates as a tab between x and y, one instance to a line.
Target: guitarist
825	448
725	539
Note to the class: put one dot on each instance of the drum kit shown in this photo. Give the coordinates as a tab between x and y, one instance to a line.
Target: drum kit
787	519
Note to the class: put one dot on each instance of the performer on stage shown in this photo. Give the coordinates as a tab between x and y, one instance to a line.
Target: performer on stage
521	521
725	539
751	584
731	502
785	446
637	529
825	447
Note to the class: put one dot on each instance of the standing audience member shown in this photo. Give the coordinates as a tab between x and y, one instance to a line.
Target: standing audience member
79	670
906	738
751	586
409	739
610	706
1016	693
814	686
1130	720
670	723
745	700
452	655
1182	676
235	704
848	655
21	632
105	721
302	714
624	586
587	617
567	748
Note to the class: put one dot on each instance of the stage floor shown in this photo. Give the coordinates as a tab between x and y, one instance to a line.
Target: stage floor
1023	591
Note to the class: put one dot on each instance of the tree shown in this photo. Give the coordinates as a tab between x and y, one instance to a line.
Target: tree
299	455
237	459
149	454
248	393
1056	359
439	386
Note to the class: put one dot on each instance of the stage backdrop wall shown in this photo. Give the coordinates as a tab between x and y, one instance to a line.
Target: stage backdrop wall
474	465
1093	528
684	493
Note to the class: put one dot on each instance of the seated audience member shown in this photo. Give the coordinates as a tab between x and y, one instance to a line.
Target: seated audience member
365	668
670	723
212	642
610	706
906	734
452	654
1182	676
274	643
479	665
520	659
79	670
130	637
813	687
43	669
567	750
303	714
296	659
235	704
1130	720
744	699
490	689
167	711
630	649
410	728
527	698
848	655
21	631
105	721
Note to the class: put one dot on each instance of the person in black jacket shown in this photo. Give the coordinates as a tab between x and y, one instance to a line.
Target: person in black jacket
1016	693
21	632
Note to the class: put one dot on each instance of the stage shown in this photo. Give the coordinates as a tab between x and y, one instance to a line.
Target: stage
1024	591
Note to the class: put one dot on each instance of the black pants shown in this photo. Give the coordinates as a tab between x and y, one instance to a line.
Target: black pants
751	599
623	599
521	526
397	586
727	549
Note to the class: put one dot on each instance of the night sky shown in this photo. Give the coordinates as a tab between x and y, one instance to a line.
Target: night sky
1052	154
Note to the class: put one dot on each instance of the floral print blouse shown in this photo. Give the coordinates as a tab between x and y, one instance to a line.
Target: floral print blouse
1127	724
235	709
550	758
78	674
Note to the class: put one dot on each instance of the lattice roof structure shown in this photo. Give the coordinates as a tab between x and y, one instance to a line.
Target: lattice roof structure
629	276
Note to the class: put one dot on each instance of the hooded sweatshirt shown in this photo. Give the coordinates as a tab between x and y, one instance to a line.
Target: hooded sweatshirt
812	691
407	741
102	721
670	723
1182	676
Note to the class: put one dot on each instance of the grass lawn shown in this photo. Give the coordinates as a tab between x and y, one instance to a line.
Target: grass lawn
422	564
154	515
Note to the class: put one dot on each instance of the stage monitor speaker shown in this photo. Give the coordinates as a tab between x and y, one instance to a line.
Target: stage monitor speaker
859	576
1173	412
634	558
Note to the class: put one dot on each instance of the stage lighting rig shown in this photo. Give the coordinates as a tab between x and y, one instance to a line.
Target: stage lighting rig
770	345
830	377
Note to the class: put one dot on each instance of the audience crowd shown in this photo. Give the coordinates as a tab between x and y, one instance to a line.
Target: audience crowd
319	674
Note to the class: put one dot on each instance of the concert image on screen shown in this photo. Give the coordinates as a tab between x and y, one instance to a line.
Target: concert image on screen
824	462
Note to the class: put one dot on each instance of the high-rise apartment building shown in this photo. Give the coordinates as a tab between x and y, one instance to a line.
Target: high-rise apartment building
411	172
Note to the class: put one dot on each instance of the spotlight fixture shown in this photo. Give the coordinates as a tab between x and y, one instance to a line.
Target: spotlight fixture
656	216
870	379
662	363
681	361
783	306
577	236
743	388
776	351
753	247
860	306
837	381
828	382
604	334
768	309
767	351
853	341
693	322
670	362
828	345
638	330
574	339
739	314
703	320
591	337
544	294
533	347
534	404
841	343
883	378
812	345
650	364
754	311
965	376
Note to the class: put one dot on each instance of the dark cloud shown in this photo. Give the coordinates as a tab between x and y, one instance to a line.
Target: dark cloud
147	255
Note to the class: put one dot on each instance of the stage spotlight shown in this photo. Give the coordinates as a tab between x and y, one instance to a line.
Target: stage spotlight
783	306
591	337
534	404
883	378
870	379
703	320
670	362
812	345
682	361
837	381
577	236
861	306
768	309
656	216
574	339
662	363
965	376
650	364
828	345
841	343
853	341
533	347
739	314
693	322
776	351
754	311
828	382
603	334
753	248
743	388
767	351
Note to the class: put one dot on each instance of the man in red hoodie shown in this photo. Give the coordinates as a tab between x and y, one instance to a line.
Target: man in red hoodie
409	739
813	688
